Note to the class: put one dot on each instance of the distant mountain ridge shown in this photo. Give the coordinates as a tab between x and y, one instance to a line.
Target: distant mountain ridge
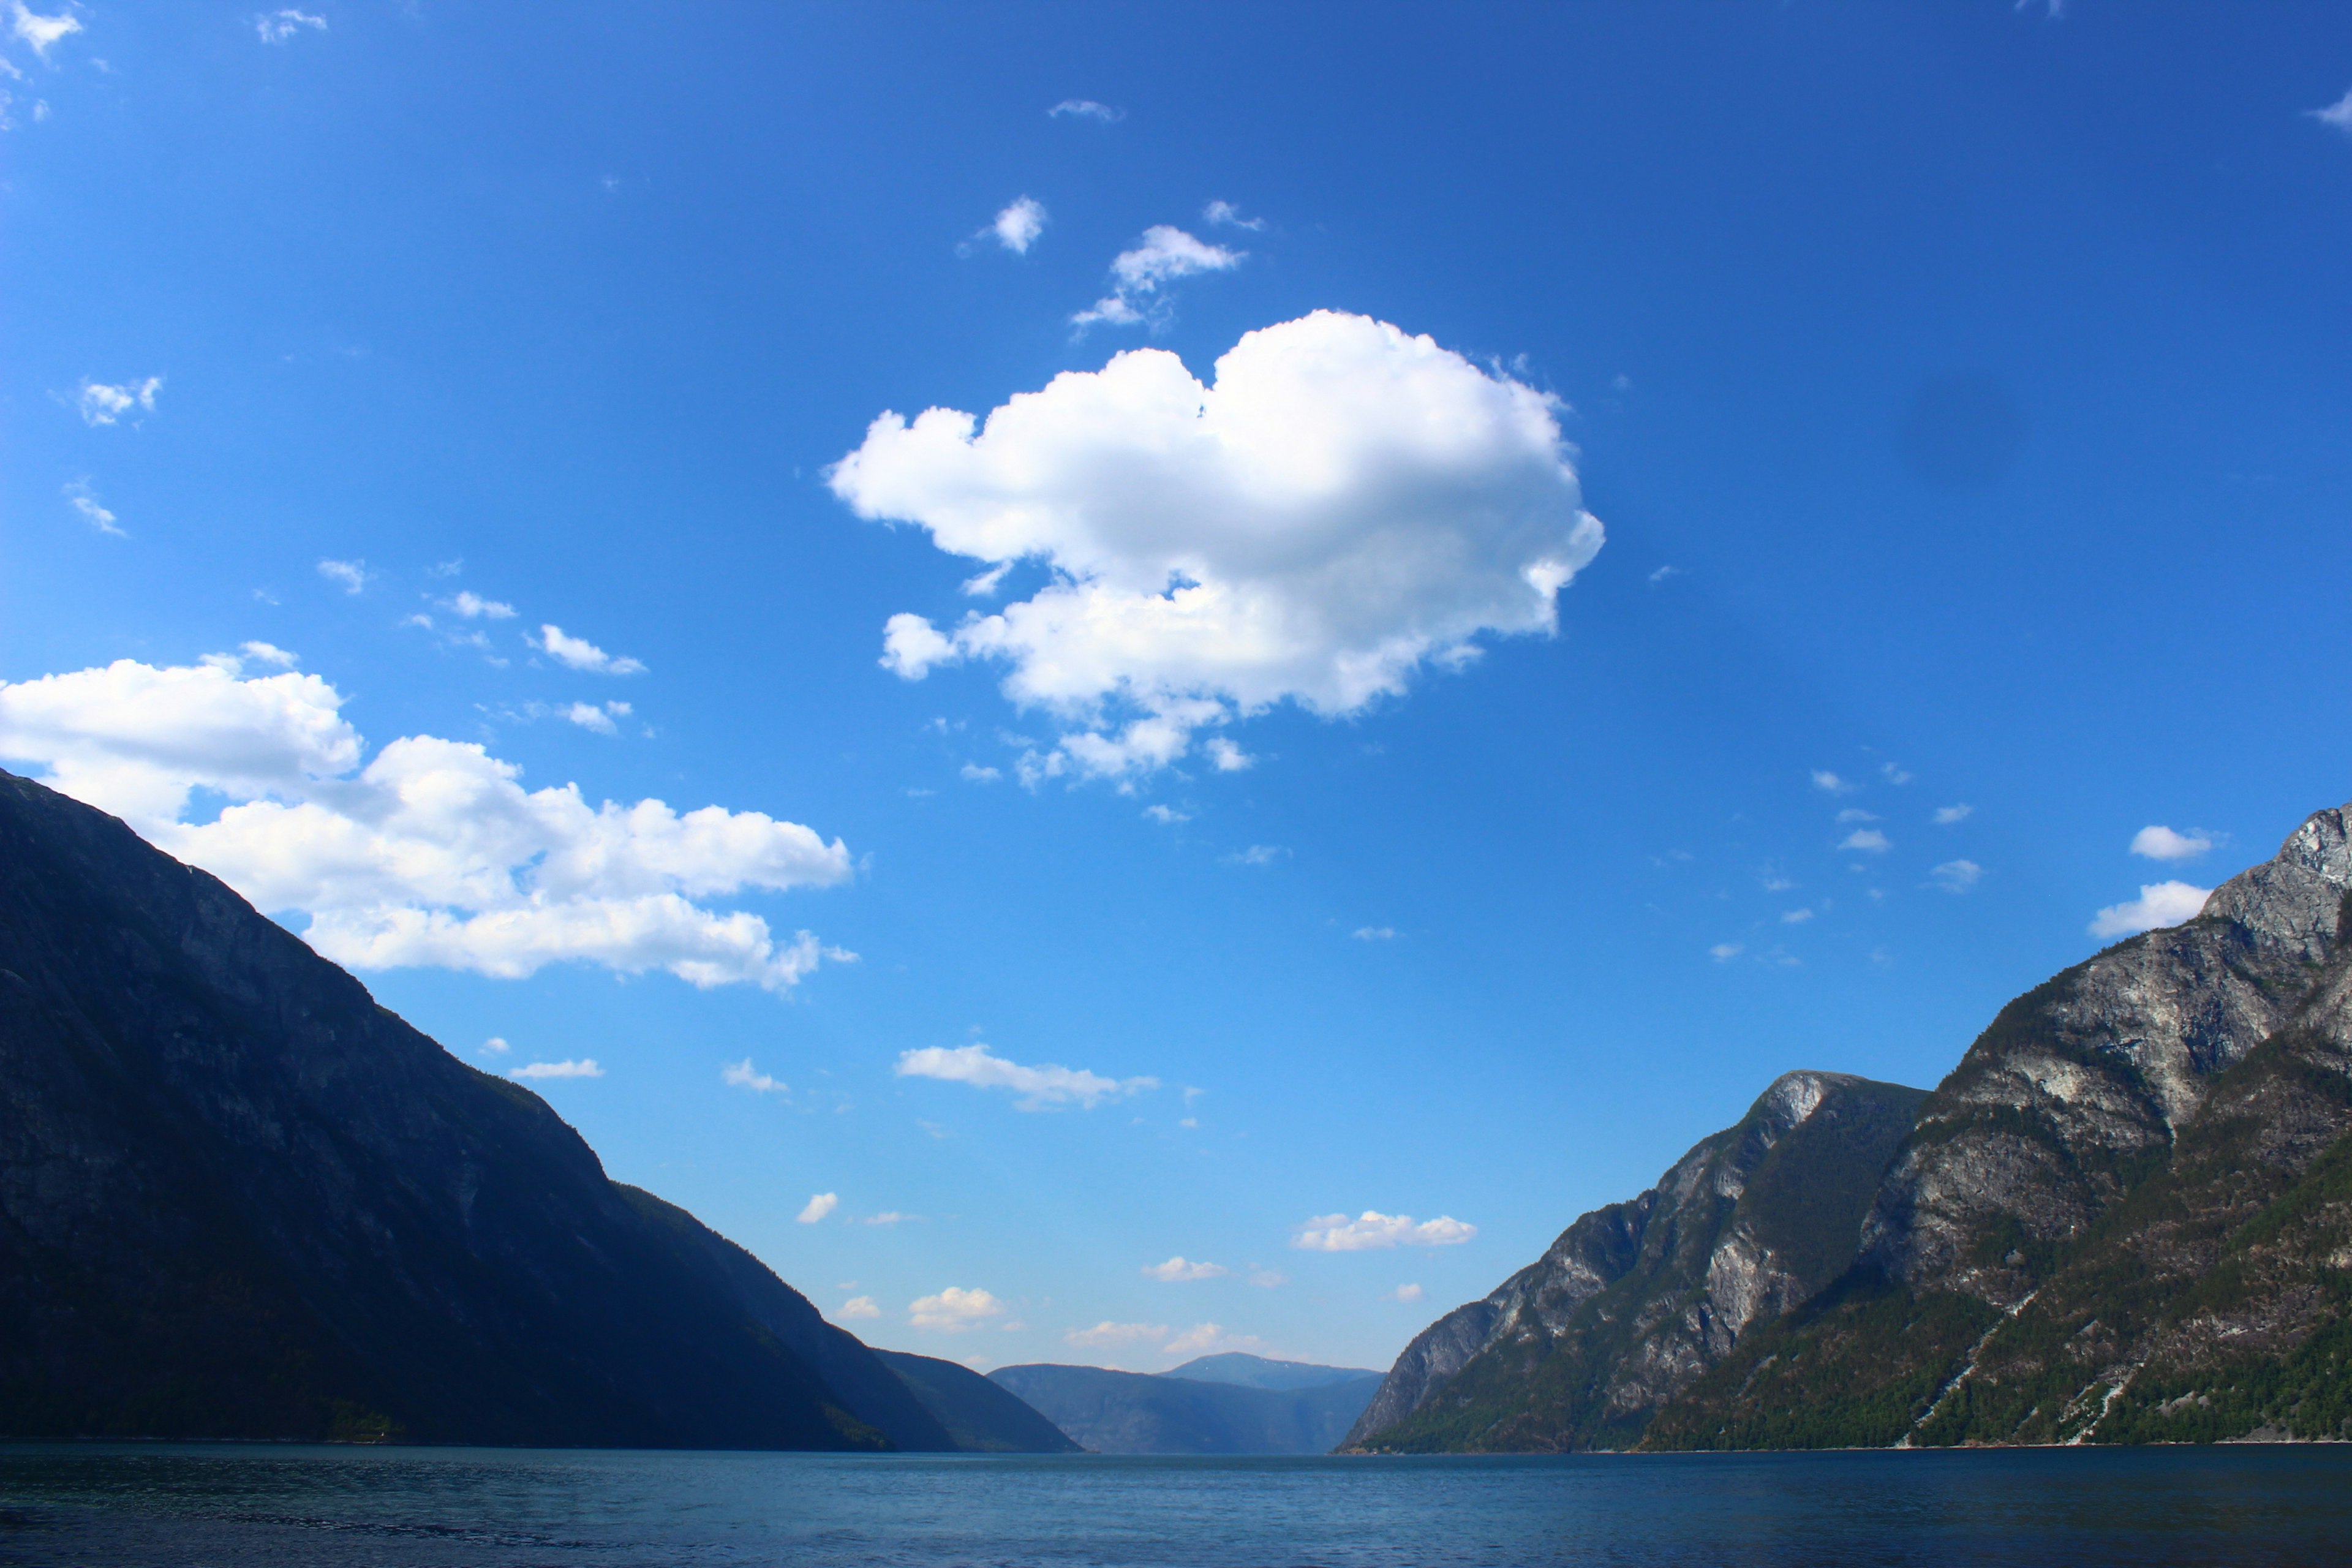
2126	1216
240	1199
1245	1370
983	1417
1113	1412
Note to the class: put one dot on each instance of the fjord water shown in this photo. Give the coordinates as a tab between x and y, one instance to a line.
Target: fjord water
131	1507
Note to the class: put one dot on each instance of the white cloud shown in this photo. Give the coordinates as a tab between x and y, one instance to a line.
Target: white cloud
1256	855
578	653
1166	816
588	715
1946	816
1227	757
1405	1293
277	27
40	32
1180	1268
860	1306
1018	225
1373	1229
584	1068
473	606
352	575
1868	839
888	1217
1796	917
1958	876
1894	773
2158	843
1831	784
1140	277
1663	572
1226	213
1108	1335
1270	1278
1086	109
1038	1086
817	1207
954	1309
743	1076
432	854
1725	951
1344	505
496	1046
104	405
98	516
1855	814
1375	933
269	653
2337	114
2163	904
972	772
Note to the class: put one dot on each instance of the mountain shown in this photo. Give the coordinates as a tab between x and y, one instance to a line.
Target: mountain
1635	1301
1131	1412
2127	1215
1256	1372
981	1416
239	1199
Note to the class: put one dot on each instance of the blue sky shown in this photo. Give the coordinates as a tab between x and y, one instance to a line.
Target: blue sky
1959	388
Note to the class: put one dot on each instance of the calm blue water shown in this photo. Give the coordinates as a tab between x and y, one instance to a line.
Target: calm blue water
238	1505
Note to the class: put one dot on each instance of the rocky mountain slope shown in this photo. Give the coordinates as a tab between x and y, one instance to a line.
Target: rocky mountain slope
983	1417
1133	1413
1635	1301
239	1199
2127	1215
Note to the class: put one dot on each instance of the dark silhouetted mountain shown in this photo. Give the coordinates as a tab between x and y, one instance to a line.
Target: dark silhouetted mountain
1635	1301
983	1417
239	1199
1245	1370
1131	1412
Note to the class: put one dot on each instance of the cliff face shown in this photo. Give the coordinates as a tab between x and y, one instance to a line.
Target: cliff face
237	1198
2127	1215
1635	1301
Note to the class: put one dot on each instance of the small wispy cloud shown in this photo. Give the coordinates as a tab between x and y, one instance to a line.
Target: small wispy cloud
1258	854
1086	109
1946	816
1140	277
1894	773
1855	814
1663	572
1868	840
584	1068
1227	757
814	1211
277	27
953	1310
1180	1268
1227	215
470	606
1038	1087
1829	783
2337	114
972	772
742	1075
40	33
101	403
860	1306
2156	842
1725	951
1958	876
1373	1230
1796	917
1166	816
1018	225
1374	933
78	494
1403	1293
352	574
271	653
579	653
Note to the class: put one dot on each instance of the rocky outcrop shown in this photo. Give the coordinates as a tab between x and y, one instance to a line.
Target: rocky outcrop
239	1199
1637	1299
2126	1216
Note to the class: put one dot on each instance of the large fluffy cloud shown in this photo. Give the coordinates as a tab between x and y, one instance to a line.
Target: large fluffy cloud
434	853
1345	503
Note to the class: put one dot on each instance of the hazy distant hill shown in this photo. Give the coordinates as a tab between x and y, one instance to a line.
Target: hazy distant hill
1131	1412
983	1417
2126	1216
239	1199
1257	1371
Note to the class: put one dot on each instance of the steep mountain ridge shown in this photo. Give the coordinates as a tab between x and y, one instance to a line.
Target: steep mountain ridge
240	1199
1636	1299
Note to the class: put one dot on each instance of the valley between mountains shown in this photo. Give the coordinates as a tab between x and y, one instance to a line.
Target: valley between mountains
240	1199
